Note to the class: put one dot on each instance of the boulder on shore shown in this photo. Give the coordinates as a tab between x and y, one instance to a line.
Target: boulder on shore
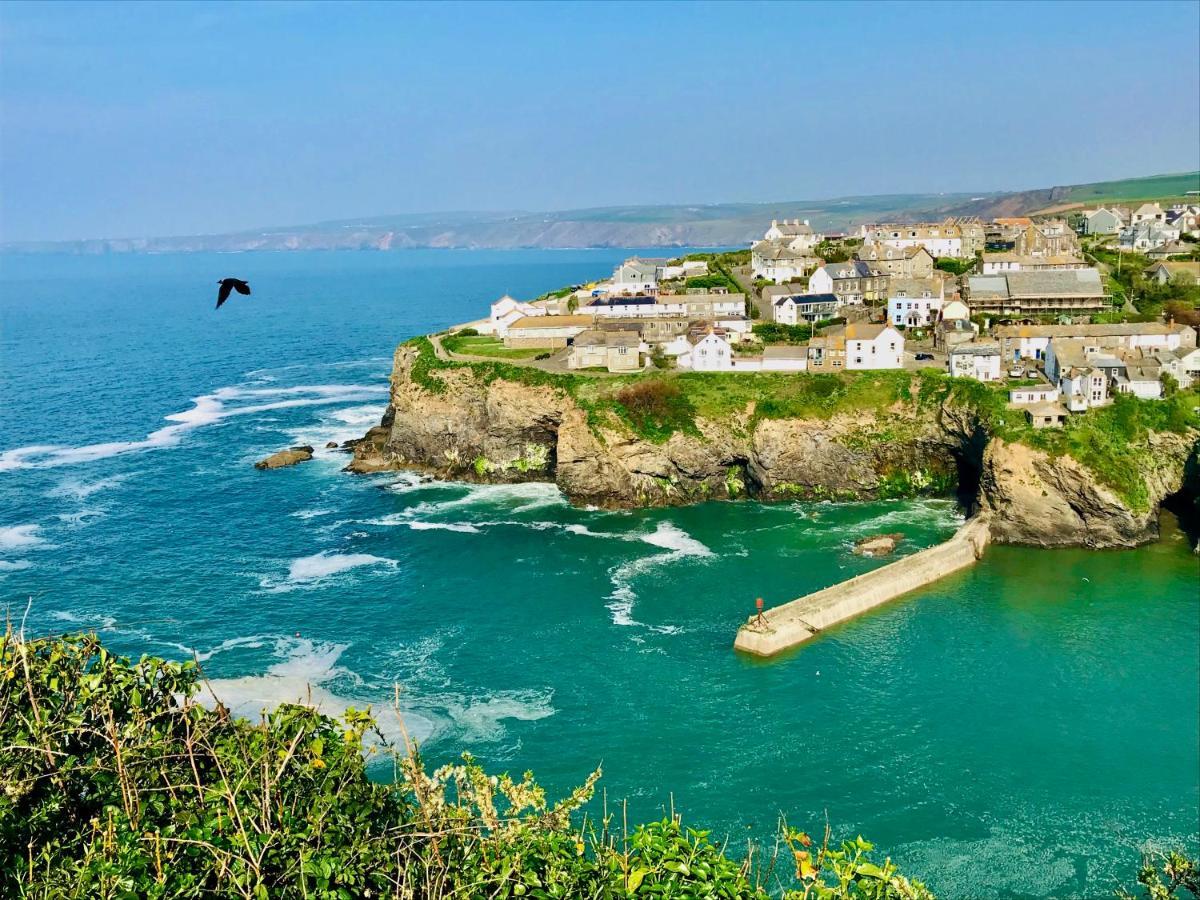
283	458
878	545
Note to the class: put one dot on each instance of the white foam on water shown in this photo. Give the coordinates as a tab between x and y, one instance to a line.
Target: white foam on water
464	527
77	489
307	571
207	409
22	537
679	544
13	565
312	513
81	517
338	426
299	676
519	497
483	720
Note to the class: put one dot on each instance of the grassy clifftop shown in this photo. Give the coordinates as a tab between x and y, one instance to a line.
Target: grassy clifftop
1112	442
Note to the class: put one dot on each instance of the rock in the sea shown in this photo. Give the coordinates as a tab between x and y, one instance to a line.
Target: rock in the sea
283	458
332	445
879	545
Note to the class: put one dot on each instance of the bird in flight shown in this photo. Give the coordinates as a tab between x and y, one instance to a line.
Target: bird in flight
228	285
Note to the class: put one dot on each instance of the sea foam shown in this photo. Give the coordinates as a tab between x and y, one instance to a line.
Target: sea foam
20	537
207	409
310	570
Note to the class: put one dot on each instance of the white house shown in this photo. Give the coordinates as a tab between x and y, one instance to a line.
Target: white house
1141	379
915	302
1083	387
1147	235
980	361
1027	396
795	235
1148	212
872	346
1033	341
775	261
956	238
506	310
710	351
784	359
795	308
636	276
689	268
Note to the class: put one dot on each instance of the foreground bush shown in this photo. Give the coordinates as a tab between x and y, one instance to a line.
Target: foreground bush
116	783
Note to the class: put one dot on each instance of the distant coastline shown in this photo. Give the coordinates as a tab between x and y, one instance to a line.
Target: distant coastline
675	226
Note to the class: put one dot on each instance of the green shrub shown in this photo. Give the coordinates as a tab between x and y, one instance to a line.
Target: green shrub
118	784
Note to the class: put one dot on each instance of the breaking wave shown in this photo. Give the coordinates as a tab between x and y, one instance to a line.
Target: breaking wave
310	570
679	544
20	537
207	409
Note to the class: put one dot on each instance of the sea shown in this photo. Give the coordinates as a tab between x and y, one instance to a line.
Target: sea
1023	729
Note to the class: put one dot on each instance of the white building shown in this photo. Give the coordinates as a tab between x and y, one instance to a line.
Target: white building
915	302
689	268
956	238
1083	387
1147	235
506	310
636	276
710	351
777	262
872	346
795	235
1028	396
980	361
1032	341
794	308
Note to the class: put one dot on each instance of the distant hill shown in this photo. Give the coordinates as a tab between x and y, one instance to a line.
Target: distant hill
710	225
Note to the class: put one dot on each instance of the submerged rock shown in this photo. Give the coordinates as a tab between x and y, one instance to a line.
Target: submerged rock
332	445
878	545
284	458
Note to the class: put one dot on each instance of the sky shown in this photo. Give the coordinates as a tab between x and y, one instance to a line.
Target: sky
141	119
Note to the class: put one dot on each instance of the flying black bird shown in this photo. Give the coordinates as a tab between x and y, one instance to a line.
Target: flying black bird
230	284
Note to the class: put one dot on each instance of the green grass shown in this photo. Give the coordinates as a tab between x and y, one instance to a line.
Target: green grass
1112	442
488	345
1130	189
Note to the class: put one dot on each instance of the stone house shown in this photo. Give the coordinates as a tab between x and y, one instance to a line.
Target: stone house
795	235
616	351
775	261
900	262
956	238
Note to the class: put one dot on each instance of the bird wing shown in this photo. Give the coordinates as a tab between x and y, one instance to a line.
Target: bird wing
223	293
242	287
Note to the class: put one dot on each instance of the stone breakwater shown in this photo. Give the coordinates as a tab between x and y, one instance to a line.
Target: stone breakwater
786	626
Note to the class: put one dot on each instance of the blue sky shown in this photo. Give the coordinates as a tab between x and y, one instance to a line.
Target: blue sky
141	119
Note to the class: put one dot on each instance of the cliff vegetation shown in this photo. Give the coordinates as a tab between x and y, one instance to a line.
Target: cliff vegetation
117	783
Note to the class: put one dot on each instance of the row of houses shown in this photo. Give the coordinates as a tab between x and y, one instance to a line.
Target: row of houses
1146	228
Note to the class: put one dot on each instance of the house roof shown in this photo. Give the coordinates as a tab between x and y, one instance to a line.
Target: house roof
910	288
641	300
855	268
806	299
529	322
971	348
1177	266
1148	209
1046	408
778	250
1069	331
785	352
794	228
874	252
1038	283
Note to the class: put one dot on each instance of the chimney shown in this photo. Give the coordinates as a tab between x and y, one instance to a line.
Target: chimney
806	221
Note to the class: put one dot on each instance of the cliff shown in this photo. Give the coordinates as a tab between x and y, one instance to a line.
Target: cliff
900	435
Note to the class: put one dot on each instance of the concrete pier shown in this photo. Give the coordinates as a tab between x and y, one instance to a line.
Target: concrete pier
795	622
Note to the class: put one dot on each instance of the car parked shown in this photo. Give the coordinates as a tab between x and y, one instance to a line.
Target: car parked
924	356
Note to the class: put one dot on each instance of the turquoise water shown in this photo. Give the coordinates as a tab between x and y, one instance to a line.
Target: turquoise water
1018	730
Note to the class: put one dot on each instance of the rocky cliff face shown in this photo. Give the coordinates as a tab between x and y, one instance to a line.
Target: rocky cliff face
471	429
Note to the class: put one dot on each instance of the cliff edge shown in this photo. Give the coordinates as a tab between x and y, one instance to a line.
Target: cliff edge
873	436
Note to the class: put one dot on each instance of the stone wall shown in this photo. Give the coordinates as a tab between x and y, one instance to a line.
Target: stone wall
794	623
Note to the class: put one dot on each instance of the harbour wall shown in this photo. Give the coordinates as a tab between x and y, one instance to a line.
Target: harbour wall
794	623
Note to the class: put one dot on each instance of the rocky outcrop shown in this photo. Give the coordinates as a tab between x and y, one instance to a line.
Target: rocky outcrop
878	545
1047	502
285	458
461	423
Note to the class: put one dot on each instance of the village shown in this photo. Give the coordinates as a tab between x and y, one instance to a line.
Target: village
1035	306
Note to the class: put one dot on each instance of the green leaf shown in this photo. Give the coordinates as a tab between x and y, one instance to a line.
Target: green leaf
635	879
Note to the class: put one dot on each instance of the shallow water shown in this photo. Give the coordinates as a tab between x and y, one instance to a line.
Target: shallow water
1017	730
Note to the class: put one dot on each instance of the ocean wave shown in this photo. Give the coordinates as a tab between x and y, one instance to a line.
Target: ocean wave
464	527
311	513
21	537
13	565
207	409
679	544
77	489
932	513
338	425
515	498
308	571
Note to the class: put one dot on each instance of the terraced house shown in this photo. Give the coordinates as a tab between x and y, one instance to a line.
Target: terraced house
1038	293
904	262
853	282
955	238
